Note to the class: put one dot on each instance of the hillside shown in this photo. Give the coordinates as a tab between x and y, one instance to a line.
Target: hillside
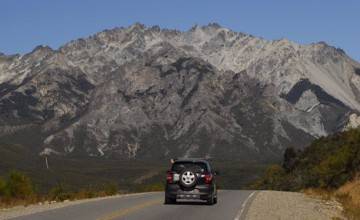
329	162
328	168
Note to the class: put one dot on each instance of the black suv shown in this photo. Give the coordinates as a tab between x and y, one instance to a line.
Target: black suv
191	179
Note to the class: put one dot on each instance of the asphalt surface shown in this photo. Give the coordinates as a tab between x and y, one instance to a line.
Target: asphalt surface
232	204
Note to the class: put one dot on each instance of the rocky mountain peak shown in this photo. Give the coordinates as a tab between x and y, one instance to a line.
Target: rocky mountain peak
42	48
146	92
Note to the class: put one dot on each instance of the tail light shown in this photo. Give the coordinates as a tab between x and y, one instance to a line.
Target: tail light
208	178
169	177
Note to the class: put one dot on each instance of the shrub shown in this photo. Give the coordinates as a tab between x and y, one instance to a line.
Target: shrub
2	187
19	185
17	189
273	179
289	159
328	162
332	171
87	193
59	193
111	189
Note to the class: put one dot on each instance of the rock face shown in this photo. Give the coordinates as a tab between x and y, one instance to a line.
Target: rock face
150	93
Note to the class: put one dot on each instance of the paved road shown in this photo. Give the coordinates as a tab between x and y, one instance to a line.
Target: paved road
232	204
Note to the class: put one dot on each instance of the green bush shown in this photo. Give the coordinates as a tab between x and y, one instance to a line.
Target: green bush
111	189
328	162
17	188
332	171
19	185
3	188
273	179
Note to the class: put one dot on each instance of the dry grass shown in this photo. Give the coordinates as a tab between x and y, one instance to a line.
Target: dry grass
349	196
319	193
8	202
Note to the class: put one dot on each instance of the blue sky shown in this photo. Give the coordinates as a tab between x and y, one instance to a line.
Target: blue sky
26	24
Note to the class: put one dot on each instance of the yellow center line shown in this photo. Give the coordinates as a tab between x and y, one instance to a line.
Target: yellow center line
123	212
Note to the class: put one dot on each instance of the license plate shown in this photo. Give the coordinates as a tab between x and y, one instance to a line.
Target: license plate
188	196
193	191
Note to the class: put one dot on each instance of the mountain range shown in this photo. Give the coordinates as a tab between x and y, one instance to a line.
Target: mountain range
150	93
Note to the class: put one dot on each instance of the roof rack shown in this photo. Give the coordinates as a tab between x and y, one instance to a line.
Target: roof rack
193	158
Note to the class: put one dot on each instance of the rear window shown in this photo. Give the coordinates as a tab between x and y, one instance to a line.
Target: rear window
196	166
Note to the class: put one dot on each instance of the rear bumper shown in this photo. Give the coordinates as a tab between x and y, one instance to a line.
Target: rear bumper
202	192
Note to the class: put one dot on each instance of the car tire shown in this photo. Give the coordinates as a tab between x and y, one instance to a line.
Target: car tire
211	200
169	201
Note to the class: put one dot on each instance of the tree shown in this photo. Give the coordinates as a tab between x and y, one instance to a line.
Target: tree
289	159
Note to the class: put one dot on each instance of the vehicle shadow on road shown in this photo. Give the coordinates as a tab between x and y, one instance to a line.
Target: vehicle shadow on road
200	203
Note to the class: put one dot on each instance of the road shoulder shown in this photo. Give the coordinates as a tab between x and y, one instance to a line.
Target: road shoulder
275	205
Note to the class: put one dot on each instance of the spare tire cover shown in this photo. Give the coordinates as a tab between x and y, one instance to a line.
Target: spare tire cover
188	178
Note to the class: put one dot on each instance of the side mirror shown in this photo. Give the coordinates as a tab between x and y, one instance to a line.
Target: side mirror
216	173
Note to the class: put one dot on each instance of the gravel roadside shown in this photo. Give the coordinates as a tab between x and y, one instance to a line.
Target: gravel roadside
31	209
275	205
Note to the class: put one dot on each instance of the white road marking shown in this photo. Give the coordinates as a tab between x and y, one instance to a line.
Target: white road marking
238	216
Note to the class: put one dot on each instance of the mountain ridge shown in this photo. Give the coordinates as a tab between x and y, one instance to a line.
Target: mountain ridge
147	92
